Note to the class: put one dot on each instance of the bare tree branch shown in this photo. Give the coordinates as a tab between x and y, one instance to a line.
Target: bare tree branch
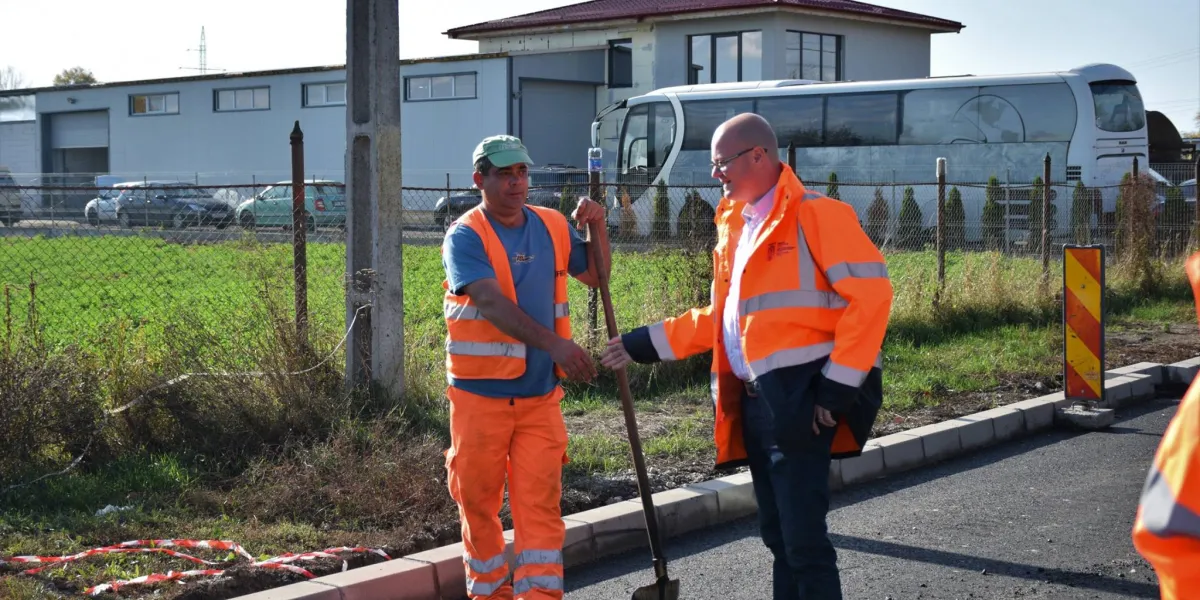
11	79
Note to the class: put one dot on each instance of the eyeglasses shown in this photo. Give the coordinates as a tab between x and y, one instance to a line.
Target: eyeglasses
723	164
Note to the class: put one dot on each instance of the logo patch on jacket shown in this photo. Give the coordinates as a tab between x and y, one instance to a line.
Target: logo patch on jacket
775	249
520	258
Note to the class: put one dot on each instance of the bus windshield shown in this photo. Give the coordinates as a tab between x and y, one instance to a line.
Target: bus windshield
1119	107
646	141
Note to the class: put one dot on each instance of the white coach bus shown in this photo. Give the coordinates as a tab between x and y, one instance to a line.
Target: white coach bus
1090	120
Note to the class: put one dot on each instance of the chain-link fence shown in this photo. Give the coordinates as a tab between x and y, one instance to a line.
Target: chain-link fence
144	254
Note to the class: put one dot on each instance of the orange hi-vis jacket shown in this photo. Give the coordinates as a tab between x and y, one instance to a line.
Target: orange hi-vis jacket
1167	527
815	293
476	348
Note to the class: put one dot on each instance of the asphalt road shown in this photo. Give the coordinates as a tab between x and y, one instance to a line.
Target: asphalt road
1048	516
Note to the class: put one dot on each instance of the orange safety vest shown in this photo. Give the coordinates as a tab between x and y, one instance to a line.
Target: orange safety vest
1166	531
476	348
816	287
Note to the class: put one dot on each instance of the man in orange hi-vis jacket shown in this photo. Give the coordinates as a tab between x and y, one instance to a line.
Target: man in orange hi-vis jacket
508	342
1167	529
799	306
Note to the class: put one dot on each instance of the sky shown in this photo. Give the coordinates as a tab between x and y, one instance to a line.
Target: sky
1157	40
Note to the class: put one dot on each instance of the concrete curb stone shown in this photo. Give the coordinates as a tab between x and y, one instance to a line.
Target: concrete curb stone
438	574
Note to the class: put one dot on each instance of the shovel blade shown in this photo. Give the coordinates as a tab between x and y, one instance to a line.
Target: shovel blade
663	589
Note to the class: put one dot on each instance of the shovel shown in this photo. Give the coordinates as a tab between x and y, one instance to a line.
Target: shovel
663	587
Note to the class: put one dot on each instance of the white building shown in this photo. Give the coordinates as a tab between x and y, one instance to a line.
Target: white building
541	76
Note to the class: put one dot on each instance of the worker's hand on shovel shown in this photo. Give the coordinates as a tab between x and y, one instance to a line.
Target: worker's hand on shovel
587	213
615	356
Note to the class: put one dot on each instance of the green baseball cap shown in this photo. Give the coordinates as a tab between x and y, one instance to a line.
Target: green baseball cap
502	150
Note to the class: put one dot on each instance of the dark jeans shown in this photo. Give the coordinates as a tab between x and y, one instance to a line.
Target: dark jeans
793	498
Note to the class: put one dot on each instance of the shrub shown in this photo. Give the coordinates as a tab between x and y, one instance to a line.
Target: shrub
1176	221
1037	203
627	225
1136	233
661	224
911	221
1081	214
877	219
993	216
832	190
566	203
956	221
50	402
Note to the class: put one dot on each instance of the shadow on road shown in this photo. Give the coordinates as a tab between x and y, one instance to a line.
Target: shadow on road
1091	581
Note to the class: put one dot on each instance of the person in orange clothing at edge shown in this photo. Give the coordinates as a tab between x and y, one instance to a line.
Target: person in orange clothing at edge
1166	530
508	344
800	303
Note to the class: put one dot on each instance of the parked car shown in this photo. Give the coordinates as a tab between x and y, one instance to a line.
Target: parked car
170	203
546	186
10	199
103	208
324	205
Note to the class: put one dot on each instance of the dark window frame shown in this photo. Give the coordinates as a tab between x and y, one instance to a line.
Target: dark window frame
692	79
839	52
614	48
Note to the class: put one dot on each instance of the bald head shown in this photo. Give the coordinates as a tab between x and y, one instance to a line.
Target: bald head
748	130
748	152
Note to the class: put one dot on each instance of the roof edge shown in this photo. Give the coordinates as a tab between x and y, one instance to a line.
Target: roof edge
495	28
241	74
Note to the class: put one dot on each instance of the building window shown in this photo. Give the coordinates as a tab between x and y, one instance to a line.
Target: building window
440	87
243	99
620	63
325	94
154	104
725	57
814	56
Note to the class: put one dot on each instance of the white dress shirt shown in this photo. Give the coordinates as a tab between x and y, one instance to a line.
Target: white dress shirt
754	216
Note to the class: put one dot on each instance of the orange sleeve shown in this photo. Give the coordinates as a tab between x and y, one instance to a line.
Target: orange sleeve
1166	531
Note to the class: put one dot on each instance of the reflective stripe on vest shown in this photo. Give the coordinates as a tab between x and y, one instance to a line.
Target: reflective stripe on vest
463	312
485	349
1162	514
806	297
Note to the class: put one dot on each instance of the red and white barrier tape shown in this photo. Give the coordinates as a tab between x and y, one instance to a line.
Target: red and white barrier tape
163	546
152	578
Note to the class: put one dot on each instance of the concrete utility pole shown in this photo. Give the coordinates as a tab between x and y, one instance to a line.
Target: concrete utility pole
374	266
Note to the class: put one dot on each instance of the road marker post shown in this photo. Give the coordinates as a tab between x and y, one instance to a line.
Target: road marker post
1083	332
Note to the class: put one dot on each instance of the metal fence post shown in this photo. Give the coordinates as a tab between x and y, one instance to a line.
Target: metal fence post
941	231
1135	168
1046	222
299	233
791	155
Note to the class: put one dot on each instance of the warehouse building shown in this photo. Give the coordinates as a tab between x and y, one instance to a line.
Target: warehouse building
542	76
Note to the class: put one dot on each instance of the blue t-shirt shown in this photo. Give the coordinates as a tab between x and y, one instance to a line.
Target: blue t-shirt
531	259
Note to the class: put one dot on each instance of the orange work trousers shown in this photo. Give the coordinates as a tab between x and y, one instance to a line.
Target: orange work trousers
525	440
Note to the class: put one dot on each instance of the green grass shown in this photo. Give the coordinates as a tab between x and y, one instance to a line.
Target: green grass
91	291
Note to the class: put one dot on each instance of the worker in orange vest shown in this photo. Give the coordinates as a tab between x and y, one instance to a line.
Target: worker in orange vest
799	306
1166	531
508	343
